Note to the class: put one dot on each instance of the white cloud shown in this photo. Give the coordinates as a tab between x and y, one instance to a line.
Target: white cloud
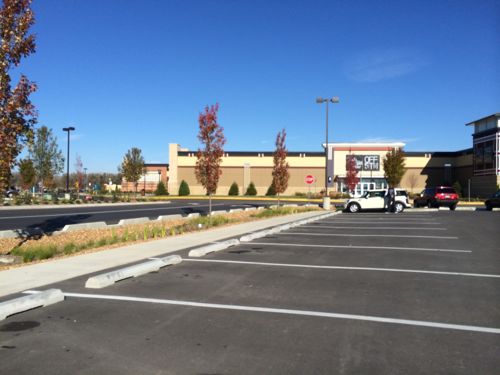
378	65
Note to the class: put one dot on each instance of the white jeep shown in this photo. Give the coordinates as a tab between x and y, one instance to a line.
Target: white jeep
377	200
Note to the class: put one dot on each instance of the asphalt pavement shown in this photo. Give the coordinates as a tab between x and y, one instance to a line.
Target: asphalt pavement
412	293
52	219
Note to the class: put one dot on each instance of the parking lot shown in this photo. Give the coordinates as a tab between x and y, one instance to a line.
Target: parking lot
354	293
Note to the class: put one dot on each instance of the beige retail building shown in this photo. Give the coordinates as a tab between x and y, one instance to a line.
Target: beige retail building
477	167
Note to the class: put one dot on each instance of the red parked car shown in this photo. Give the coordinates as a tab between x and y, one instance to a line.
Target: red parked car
436	197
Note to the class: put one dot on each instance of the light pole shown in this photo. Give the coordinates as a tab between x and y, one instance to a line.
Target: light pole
85	179
335	99
69	129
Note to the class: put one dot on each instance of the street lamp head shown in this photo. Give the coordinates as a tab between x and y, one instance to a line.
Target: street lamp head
69	129
335	99
320	100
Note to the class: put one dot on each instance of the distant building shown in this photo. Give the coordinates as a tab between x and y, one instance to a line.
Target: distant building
486	145
478	167
155	172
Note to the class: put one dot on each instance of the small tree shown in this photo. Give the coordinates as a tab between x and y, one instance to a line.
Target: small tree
211	136
27	173
132	166
17	114
184	188
351	178
80	176
394	167
47	157
271	191
251	190
160	189
280	165
234	189
458	188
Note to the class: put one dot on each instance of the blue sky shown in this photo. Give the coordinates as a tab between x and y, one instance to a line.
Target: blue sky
130	73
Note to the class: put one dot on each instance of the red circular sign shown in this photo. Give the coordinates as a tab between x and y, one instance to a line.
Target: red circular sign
310	179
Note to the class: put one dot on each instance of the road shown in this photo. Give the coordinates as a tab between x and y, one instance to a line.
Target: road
51	219
365	294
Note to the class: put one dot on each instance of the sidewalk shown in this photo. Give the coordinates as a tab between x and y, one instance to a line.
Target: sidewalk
36	275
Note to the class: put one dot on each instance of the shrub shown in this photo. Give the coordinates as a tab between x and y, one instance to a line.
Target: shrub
234	189
161	189
251	190
458	188
271	190
184	188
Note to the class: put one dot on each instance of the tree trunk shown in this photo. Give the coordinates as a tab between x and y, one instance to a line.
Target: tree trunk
209	208
278	200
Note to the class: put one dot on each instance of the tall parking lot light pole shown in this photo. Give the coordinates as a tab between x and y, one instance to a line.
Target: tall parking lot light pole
69	129
335	99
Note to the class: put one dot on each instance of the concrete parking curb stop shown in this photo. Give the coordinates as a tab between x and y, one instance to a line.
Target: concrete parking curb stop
138	220
170	217
204	250
9	233
17	305
109	278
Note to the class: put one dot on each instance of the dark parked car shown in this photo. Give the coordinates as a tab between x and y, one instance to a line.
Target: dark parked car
493	201
436	197
9	193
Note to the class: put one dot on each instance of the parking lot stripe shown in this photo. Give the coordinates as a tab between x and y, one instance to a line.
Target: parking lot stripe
372	235
364	227
446	273
321	314
358	247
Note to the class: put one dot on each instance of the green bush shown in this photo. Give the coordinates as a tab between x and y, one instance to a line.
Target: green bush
161	189
251	190
271	191
234	189
184	188
458	188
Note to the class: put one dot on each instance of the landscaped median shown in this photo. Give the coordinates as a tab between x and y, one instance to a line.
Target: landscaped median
87	240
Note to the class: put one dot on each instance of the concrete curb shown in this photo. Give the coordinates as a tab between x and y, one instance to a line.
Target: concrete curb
9	233
204	250
17	305
219	212
465	209
171	259
250	209
274	230
193	215
170	217
138	220
92	225
106	279
235	210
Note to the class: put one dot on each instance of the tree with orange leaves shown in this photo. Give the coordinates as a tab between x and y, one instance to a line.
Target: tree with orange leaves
17	114
280	165
211	136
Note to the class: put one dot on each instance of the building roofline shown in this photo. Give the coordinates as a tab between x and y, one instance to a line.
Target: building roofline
497	115
366	144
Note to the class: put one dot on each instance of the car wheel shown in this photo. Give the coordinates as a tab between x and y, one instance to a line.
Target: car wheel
354	207
416	205
452	207
489	208
398	207
429	205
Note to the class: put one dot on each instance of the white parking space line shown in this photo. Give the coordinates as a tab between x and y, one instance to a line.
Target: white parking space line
320	314
356	247
368	228
372	235
446	273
